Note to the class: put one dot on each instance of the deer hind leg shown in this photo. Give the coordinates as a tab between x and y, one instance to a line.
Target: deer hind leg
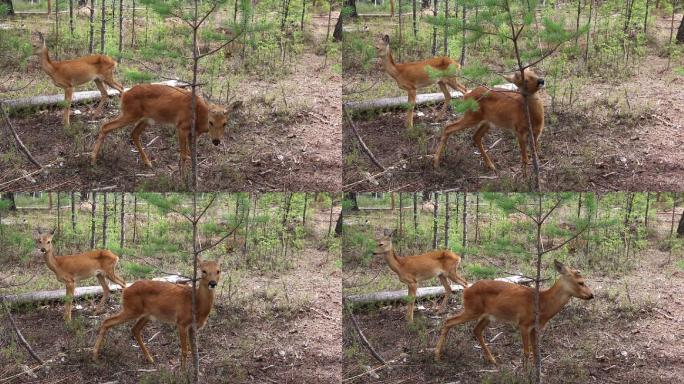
447	292
119	122
465	122
184	343
479	328
137	328
117	319
457	278
447	99
104	96
135	137
68	94
455	84
109	80
525	336
411	106
477	138
112	276
446	327
70	288
105	292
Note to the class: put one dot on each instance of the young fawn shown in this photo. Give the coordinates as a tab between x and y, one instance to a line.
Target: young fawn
167	302
72	268
411	270
68	74
164	104
489	299
412	76
505	110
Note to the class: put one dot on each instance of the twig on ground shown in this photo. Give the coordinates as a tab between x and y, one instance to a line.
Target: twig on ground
364	340
20	144
21	338
363	145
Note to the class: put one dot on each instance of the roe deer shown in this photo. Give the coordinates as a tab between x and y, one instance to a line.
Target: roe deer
412	76
68	74
411	270
72	268
503	109
487	300
171	303
164	104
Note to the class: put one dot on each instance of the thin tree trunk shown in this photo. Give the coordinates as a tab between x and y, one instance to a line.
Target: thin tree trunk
401	215
465	221
435	220
73	213
434	29
135	217
71	17
301	24
122	219
586	50
447	219
120	29
306	197
415	25
648	200
415	218
446	27
674	205
477	218
105	216
103	26
332	206
133	26
92	222
463	46
59	212
91	34
57	19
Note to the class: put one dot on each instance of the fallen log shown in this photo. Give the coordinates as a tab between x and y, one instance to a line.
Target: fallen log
396	102
40	101
376	297
44	296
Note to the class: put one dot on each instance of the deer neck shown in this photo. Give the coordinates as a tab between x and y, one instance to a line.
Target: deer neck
388	63
45	61
551	301
394	262
205	300
51	261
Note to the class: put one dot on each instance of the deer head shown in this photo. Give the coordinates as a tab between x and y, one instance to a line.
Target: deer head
44	241
573	282
531	84
384	243
382	45
210	272
218	117
37	42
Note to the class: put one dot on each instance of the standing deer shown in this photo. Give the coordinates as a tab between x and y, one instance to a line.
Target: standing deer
72	268
167	302
68	74
503	109
164	104
490	299
411	270
415	75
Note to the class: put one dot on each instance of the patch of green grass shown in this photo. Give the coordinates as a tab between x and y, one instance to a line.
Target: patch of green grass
138	271
480	272
680	264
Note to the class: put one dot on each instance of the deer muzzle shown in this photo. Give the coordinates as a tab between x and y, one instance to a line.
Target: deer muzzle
540	82
216	141
212	284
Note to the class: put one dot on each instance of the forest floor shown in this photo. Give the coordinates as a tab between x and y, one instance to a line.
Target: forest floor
277	327
285	137
618	135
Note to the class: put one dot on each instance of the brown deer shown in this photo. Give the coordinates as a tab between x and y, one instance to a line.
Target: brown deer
503	109
69	269
166	105
411	270
414	75
68	74
235	244
170	303
490	299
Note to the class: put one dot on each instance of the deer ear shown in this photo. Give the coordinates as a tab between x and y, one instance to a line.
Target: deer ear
53	231
559	266
235	105
386	39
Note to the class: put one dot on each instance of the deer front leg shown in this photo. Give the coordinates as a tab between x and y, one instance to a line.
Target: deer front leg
68	94
525	336
70	288
412	288
184	343
522	142
412	104
184	150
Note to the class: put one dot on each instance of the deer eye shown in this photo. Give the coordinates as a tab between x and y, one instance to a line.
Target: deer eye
581	284
218	272
48	241
204	272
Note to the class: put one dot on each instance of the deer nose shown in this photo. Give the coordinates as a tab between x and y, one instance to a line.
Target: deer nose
212	284
42	249
540	81
216	141
591	296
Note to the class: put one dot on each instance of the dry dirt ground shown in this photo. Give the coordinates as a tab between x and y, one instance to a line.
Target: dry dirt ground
630	333
284	327
618	136
293	144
